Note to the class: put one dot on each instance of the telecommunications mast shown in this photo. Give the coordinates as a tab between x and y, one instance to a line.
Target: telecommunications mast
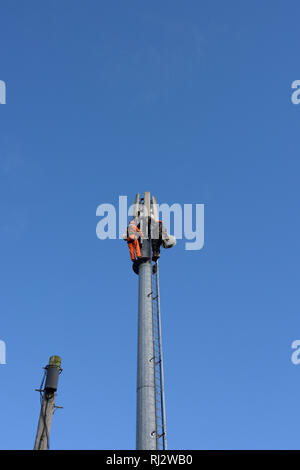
151	416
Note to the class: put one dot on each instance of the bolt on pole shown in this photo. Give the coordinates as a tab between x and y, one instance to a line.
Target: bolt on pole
48	391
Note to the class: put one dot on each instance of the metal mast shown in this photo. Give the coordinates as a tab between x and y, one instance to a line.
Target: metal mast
48	392
151	421
146	428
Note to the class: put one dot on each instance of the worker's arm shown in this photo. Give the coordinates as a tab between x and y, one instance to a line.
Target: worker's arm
141	233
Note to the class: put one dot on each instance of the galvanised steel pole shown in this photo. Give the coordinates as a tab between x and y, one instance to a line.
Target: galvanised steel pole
146	429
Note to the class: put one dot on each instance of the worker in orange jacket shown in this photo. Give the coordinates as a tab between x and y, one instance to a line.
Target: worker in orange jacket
133	235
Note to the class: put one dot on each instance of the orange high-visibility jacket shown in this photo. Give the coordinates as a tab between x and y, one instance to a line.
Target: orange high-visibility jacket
132	233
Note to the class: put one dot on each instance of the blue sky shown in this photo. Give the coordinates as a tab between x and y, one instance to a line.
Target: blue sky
188	100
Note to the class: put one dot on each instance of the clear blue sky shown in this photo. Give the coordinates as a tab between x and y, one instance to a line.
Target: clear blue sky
192	101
